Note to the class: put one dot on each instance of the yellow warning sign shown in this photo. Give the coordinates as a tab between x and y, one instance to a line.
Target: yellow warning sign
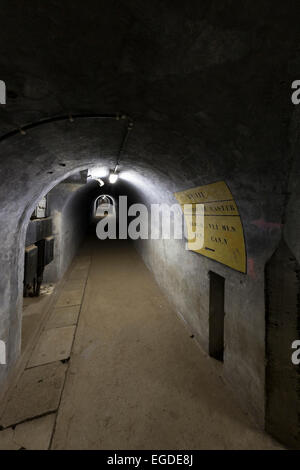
211	213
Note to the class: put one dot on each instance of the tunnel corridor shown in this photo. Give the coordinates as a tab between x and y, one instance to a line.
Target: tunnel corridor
149	224
129	375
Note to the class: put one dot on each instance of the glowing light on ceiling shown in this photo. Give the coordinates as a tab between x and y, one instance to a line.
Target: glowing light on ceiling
113	177
97	172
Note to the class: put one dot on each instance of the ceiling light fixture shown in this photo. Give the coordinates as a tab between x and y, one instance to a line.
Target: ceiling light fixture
113	176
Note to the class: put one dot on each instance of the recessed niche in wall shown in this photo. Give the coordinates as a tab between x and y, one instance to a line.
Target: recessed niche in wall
216	315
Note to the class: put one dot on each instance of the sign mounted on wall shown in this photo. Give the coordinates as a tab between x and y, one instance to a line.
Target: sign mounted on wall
222	230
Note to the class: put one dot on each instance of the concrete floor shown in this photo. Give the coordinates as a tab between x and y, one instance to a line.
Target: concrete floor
135	378
33	310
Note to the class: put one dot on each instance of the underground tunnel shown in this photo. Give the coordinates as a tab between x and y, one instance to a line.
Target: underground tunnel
139	341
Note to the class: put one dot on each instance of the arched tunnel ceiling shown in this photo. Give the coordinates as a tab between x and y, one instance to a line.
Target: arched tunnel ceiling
194	65
198	78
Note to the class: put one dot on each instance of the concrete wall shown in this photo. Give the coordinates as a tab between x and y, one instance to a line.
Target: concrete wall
183	275
70	207
291	217
283	310
259	194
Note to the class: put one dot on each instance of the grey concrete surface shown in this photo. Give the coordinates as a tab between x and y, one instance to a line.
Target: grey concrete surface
36	393
7	440
33	311
31	435
208	87
63	316
35	434
69	298
68	204
54	345
136	379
